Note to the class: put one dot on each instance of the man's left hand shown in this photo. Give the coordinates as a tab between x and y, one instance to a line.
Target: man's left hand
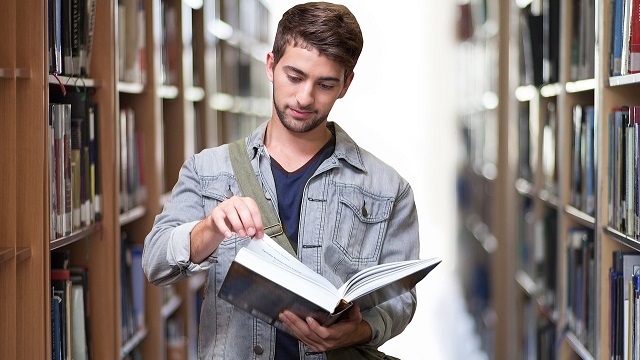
348	332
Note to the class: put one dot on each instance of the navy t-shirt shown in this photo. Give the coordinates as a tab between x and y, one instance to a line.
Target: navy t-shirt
289	187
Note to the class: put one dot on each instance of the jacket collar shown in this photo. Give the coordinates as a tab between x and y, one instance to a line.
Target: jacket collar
346	148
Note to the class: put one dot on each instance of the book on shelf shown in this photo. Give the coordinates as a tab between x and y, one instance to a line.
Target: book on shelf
81	115
55	36
60	173
625	305
623	171
549	150
56	321
131	41
580	291
264	280
582	159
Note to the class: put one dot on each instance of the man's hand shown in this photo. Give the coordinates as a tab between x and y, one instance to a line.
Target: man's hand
348	332
240	215
236	214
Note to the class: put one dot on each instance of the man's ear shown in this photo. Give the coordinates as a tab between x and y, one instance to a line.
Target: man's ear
270	66
347	83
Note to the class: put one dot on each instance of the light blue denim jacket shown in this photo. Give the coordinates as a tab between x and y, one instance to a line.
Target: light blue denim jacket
337	238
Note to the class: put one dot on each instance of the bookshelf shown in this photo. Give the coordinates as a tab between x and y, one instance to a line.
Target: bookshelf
562	186
484	172
173	117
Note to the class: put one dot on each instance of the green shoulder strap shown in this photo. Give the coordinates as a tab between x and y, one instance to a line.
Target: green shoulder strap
250	187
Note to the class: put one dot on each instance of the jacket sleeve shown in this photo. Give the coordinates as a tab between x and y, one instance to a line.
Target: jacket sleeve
165	259
401	243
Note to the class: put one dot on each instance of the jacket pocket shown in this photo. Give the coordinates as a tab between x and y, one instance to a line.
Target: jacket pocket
216	189
360	223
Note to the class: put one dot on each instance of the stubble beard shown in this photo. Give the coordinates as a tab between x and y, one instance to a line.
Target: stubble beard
297	126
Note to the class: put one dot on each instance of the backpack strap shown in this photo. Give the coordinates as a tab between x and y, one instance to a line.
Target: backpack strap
250	187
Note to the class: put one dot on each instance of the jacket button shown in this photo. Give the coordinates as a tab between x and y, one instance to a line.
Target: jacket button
258	349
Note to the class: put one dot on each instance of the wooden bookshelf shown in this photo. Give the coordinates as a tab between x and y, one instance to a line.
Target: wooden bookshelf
177	120
551	213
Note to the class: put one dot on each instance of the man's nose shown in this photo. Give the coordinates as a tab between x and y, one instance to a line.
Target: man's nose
305	96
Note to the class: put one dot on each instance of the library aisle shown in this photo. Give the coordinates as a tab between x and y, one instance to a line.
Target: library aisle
442	329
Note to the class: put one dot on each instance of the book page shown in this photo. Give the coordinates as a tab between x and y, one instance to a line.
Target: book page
269	250
282	275
376	277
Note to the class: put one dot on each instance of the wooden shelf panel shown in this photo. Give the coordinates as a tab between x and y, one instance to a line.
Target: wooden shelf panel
133	342
525	187
132	215
623	238
482	233
526	283
580	217
577	346
6	254
23	254
70	81
624	80
171	306
130	88
75	236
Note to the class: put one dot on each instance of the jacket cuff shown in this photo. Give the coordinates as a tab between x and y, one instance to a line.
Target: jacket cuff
179	250
380	332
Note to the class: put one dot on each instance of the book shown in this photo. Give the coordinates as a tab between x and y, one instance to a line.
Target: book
55	36
264	280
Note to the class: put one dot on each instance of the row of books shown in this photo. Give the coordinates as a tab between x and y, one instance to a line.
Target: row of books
624	279
537	251
70	310
539	333
582	192
623	171
71	25
170	41
528	147
583	40
132	285
550	149
75	199
625	37
581	281
130	145
539	42
132	62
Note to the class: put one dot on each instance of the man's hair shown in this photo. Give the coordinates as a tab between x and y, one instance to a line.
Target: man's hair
330	29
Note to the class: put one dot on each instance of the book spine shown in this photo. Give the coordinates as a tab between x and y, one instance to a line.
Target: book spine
616	42
90	19
634	37
68	205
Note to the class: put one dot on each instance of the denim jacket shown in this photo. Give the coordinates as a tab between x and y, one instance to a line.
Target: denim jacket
356	212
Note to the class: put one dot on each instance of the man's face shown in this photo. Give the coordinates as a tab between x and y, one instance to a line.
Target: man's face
305	87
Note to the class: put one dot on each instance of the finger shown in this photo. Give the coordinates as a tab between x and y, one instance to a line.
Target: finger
219	220
250	216
256	217
233	218
319	330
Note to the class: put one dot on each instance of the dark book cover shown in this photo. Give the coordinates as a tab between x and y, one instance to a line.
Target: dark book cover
265	299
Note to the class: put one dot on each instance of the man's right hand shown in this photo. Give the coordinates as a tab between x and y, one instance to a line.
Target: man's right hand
236	214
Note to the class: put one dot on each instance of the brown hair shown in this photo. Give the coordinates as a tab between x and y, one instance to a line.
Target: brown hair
330	29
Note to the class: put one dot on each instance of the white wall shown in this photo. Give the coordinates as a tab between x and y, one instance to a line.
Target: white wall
400	104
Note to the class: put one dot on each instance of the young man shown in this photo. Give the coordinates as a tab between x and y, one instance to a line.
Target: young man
342	209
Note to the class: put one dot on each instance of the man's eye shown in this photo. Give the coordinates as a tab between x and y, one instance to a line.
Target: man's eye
294	79
326	87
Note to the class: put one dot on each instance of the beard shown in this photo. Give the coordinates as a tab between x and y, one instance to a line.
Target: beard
298	126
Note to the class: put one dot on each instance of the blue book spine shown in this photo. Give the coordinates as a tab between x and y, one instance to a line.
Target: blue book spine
616	58
55	329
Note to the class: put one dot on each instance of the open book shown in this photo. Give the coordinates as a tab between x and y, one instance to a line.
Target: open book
264	280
